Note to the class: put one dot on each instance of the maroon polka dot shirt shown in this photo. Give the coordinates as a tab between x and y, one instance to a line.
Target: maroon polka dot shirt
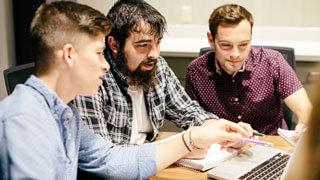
253	96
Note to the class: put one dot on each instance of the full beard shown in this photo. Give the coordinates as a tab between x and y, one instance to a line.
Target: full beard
144	79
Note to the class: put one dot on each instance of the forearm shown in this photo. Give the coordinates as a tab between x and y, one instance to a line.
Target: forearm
300	105
111	161
304	113
170	151
303	118
210	120
188	114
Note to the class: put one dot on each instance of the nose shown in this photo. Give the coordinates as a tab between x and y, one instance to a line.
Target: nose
235	53
105	66
154	51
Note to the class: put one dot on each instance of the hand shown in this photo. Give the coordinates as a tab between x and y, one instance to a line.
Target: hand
208	121
197	154
221	131
300	128
247	127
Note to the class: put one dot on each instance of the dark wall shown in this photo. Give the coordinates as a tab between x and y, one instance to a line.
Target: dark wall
23	12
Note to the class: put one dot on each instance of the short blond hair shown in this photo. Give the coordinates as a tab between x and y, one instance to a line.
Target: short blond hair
59	23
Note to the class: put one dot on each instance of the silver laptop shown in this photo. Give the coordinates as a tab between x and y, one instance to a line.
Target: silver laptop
258	162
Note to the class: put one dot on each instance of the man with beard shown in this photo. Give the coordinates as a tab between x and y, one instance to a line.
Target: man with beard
41	133
140	91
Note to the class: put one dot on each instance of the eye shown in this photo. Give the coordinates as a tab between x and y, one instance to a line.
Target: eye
243	46
100	52
226	46
142	45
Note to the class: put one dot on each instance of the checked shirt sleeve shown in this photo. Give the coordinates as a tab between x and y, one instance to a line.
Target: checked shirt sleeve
91	111
181	110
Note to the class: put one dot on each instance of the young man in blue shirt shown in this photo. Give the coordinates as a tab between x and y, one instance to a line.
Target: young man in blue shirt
41	133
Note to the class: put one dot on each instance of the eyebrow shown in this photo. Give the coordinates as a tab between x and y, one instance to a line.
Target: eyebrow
147	40
143	41
225	41
102	47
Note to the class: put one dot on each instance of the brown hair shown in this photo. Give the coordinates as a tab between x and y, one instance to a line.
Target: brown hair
126	17
229	14
59	23
313	140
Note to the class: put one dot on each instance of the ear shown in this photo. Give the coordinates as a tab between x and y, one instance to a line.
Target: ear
113	44
210	39
68	53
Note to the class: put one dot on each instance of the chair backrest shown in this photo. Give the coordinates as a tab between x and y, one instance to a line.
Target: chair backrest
288	54
17	75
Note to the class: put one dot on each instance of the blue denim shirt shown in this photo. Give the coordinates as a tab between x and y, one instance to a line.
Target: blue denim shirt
42	138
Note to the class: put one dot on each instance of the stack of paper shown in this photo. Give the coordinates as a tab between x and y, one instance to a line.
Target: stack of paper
214	156
287	135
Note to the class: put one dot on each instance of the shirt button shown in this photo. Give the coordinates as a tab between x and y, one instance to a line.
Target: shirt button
239	117
66	123
69	161
233	80
236	99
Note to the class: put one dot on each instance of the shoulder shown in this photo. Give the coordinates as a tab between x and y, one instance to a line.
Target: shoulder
26	113
264	50
201	62
266	57
109	83
24	101
163	69
162	64
266	53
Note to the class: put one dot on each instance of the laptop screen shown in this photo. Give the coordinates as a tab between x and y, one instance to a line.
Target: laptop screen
253	163
265	160
294	164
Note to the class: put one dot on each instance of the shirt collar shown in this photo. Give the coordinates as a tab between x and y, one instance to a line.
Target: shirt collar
217	66
54	102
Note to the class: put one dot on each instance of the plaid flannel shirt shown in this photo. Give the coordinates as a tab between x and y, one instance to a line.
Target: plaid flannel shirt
109	112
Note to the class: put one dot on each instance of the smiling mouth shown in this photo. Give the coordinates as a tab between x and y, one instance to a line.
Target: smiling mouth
234	62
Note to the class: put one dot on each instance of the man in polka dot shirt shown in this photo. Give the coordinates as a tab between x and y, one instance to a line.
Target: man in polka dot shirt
243	83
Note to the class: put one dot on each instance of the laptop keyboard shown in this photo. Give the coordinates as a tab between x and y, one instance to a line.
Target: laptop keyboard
270	169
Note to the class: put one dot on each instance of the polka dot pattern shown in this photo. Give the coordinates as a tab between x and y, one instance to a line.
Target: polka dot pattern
253	96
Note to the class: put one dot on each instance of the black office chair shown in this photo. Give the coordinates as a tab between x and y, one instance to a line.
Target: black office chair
17	75
288	54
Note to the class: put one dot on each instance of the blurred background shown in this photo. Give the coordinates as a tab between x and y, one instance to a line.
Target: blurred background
265	12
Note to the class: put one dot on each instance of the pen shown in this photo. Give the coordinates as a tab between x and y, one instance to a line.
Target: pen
256	133
261	143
